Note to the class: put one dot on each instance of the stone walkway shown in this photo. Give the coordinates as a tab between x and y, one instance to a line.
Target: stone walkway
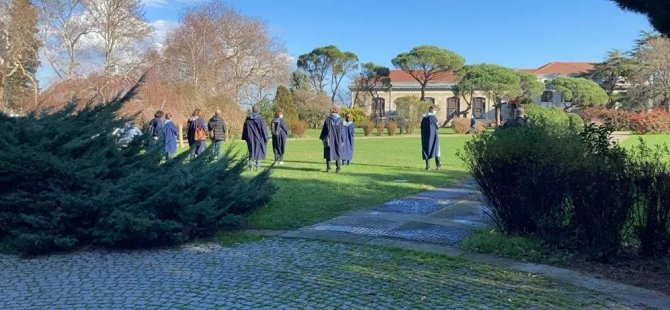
294	273
441	216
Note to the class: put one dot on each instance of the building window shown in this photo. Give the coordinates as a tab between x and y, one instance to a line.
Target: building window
547	96
453	106
430	100
378	107
479	107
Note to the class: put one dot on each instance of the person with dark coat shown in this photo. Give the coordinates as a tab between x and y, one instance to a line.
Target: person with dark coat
348	129
473	124
169	136
430	142
217	132
279	134
255	133
196	134
331	135
156	125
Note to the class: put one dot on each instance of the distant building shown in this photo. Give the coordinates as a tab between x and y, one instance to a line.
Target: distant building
438	92
552	70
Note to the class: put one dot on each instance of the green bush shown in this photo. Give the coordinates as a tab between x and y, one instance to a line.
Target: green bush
517	172
65	183
651	215
409	112
552	117
357	113
569	188
602	192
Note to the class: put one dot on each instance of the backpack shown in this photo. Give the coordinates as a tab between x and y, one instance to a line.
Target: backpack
200	134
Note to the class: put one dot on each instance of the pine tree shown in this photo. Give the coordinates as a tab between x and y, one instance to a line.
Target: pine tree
284	102
65	182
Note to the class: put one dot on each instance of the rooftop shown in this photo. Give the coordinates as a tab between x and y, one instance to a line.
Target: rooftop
561	68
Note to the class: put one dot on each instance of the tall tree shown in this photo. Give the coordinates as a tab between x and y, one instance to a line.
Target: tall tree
315	64
19	48
64	24
284	102
658	12
651	79
530	86
616	68
224	53
120	26
498	83
579	92
372	79
426	63
299	80
327	65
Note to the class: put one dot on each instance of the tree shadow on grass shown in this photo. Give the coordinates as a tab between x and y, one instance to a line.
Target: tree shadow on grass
303	202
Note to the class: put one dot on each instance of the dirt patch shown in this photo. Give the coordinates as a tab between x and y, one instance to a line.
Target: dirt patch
629	268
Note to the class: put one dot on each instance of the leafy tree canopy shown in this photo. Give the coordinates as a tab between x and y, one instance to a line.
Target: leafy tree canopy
579	92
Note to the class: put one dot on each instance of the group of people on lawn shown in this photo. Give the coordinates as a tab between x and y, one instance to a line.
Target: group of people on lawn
337	135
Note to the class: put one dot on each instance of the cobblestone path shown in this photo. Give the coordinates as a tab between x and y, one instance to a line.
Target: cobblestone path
278	273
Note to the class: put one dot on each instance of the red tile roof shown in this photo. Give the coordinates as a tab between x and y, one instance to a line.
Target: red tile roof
562	68
399	76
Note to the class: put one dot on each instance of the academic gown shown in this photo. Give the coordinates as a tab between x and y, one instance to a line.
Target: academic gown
279	134
255	133
348	129
170	137
430	143
331	135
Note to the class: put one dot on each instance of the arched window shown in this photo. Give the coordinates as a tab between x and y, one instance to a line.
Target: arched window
430	100
547	96
453	106
378	107
479	107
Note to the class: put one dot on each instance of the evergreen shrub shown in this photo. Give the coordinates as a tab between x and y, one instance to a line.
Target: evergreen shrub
65	183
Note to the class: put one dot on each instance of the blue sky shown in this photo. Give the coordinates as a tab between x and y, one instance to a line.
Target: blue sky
516	33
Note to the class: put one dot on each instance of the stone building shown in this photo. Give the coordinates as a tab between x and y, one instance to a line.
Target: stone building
439	92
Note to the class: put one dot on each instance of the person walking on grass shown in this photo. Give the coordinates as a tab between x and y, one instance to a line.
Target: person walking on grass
156	126
196	134
217	132
348	129
279	135
170	133
430	142
331	135
255	134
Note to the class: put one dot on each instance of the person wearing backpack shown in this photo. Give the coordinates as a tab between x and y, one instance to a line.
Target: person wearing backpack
196	134
217	132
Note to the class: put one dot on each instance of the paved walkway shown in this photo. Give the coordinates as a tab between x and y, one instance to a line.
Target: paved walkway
294	273
441	216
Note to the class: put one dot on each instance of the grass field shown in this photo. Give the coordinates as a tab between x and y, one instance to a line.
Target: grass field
650	139
383	168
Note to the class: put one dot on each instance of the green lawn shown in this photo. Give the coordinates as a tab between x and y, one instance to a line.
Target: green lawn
650	139
383	168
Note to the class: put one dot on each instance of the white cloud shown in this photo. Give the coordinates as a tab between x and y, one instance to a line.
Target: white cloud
155	3
161	29
165	3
